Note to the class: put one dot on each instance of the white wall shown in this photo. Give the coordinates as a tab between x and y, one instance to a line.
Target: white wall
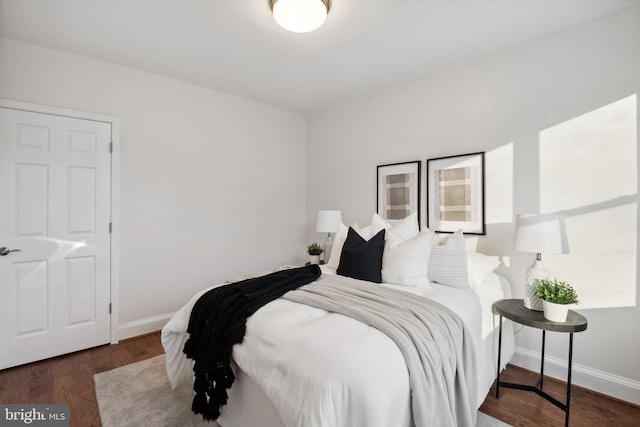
506	105
212	186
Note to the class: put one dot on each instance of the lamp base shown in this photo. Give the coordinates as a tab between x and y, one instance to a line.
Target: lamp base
535	273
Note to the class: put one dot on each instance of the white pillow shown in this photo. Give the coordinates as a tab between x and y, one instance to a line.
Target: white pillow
479	266
365	232
378	223
406	262
338	243
404	229
448	261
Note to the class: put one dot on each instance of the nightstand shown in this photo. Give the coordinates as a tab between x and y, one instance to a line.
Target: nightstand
514	310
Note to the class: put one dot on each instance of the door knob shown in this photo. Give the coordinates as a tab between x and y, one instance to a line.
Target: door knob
6	251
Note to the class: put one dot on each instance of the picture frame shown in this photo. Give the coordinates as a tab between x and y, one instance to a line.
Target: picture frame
398	190
456	194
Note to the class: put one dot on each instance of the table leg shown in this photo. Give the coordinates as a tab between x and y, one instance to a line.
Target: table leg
566	420
499	353
541	379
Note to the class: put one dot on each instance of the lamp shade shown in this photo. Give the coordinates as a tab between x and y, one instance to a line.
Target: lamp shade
541	233
328	221
300	16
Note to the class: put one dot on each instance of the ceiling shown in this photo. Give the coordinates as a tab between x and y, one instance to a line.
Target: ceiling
235	46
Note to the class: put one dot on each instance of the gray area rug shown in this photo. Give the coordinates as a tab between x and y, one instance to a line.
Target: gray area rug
140	395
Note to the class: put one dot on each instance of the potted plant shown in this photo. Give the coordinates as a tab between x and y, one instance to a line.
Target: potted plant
556	295
314	250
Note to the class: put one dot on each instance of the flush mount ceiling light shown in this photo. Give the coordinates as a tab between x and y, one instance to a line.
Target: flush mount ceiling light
300	16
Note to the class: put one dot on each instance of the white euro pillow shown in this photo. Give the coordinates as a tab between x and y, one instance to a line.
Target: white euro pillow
338	243
365	232
406	262
480	266
405	229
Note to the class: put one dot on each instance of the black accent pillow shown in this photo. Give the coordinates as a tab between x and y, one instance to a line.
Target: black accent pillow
362	259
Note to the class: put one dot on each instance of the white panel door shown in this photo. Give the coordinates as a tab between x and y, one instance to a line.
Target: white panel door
55	208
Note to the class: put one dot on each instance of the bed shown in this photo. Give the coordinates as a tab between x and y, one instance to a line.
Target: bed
301	365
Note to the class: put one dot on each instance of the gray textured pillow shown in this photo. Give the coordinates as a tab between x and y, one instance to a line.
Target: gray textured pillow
448	261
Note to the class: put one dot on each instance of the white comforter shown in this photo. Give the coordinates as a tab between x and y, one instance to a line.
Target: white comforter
320	368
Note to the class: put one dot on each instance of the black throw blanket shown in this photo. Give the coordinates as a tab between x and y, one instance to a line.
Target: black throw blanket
218	322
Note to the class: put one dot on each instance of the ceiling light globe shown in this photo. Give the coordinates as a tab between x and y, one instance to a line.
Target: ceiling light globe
300	16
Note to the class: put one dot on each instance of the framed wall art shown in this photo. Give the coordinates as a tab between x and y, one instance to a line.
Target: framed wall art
398	189
455	194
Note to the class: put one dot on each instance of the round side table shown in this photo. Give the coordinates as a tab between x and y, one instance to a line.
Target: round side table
514	310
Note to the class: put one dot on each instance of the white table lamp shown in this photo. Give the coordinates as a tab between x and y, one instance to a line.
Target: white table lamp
328	222
539	233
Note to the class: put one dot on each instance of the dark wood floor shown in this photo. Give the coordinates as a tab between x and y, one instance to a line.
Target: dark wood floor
69	379
522	408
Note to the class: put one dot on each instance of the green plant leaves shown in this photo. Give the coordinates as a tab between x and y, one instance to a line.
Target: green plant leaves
314	249
556	291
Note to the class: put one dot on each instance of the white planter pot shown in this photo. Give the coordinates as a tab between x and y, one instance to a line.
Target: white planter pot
555	312
314	259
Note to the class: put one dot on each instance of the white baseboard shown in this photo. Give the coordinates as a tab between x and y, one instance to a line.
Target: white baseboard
143	326
603	382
